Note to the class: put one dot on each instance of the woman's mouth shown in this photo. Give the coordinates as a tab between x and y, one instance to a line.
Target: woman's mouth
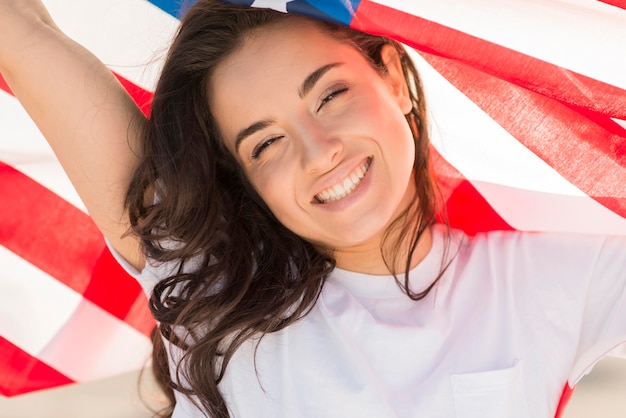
345	186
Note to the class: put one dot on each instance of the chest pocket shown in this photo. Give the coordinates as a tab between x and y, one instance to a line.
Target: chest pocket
492	394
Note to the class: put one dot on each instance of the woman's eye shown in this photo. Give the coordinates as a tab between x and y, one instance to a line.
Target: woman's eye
256	152
333	94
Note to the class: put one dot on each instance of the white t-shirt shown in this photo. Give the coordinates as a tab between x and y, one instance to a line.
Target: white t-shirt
514	318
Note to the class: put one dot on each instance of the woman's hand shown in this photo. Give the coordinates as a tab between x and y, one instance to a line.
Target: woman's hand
91	123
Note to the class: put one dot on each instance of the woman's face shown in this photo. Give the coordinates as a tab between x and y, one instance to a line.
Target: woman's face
320	134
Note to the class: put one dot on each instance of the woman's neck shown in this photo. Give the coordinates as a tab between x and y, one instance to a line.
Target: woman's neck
369	257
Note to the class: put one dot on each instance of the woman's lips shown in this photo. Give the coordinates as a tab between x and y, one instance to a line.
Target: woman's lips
344	186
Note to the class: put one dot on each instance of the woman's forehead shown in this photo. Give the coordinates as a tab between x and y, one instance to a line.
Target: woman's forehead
271	65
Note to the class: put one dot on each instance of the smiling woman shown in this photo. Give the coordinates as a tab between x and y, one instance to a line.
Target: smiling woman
282	199
326	165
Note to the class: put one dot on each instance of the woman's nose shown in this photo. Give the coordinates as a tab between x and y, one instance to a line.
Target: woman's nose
320	148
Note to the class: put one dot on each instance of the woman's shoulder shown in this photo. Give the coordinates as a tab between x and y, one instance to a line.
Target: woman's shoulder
537	241
531	261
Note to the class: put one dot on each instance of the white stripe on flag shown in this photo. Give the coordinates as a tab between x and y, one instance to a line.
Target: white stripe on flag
125	34
30	319
94	344
530	210
580	35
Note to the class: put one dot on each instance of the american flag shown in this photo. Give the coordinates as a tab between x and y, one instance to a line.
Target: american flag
527	107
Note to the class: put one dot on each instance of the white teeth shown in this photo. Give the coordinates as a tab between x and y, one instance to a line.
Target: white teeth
345	186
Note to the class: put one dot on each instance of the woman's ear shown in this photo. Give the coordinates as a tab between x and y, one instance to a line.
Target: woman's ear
390	58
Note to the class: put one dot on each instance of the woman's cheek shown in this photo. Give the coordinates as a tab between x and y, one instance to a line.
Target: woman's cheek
273	178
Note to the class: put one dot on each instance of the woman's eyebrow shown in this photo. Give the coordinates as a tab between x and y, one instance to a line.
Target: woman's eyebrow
307	85
313	78
255	127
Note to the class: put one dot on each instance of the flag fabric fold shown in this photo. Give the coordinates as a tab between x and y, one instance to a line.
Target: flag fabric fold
527	110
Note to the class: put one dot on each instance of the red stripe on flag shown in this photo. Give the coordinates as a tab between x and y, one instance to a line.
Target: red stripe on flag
4	86
58	238
23	373
529	72
586	148
566	395
142	97
47	231
110	287
466	208
617	3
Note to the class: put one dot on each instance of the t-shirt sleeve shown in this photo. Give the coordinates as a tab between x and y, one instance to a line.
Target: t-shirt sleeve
603	326
569	290
579	283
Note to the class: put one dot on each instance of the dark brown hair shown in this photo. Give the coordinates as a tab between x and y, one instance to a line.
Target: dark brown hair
239	272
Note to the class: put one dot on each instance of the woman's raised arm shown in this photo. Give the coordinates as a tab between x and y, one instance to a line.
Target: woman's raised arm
91	123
